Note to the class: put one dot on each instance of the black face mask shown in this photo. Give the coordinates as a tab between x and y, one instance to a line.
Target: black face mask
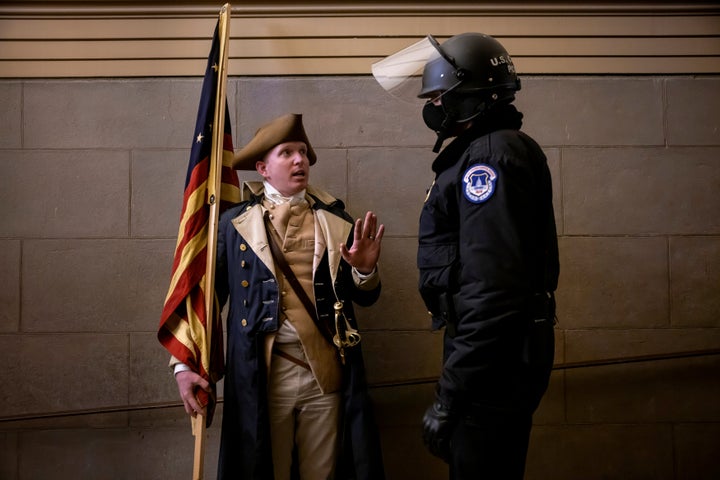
438	121
435	117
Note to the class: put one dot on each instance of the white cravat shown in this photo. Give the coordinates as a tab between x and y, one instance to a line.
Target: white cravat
272	194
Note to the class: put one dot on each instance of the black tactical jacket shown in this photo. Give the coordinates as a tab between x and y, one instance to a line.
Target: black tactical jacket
488	262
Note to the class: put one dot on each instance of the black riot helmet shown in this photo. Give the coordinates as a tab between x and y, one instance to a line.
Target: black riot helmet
470	73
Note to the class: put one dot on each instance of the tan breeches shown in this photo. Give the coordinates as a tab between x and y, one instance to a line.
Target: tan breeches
301	417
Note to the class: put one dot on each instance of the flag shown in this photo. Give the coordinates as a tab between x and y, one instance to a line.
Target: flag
186	330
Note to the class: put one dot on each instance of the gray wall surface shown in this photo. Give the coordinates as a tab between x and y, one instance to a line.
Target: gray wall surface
92	173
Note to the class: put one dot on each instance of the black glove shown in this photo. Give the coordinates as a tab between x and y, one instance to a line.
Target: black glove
438	423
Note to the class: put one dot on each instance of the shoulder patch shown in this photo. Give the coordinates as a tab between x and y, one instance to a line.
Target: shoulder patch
479	183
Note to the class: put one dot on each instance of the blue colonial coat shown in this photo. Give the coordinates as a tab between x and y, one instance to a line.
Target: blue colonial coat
245	276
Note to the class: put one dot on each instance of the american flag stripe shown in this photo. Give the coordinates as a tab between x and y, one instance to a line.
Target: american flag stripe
184	329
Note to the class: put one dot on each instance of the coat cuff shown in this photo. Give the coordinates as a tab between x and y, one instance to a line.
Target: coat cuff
177	366
368	281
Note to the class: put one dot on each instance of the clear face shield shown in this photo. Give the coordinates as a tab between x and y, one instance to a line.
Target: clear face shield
400	74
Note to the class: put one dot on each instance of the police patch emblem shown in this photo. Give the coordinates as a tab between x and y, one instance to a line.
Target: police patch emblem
479	183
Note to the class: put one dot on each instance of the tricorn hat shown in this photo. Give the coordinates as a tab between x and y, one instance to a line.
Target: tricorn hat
288	128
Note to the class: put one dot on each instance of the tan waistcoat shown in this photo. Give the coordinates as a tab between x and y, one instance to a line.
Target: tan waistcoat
296	225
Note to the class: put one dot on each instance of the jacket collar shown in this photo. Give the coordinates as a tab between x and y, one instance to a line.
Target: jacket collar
500	117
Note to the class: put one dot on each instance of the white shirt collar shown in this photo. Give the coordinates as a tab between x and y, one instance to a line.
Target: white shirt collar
272	194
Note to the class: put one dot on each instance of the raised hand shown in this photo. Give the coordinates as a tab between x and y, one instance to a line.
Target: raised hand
365	250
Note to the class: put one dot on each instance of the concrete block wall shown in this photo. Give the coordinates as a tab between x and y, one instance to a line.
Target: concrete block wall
92	174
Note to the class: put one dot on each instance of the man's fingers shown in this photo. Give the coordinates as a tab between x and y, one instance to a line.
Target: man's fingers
371	222
358	233
369	227
345	252
204	384
191	405
380	232
188	382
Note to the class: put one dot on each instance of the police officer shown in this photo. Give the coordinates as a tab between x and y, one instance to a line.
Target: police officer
487	258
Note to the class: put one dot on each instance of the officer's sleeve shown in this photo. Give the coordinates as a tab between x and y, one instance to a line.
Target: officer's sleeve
490	275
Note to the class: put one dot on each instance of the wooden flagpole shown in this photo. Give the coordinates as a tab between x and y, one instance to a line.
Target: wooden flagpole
214	188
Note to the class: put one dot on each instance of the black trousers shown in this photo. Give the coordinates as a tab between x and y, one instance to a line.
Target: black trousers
490	449
492	443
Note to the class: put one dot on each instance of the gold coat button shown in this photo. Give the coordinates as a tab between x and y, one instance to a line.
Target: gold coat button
244	323
243	247
244	283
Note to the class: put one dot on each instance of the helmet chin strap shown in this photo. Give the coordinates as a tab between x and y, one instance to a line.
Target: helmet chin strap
450	128
444	132
438	143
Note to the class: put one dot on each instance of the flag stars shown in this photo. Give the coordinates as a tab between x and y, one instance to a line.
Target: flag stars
200	137
215	67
